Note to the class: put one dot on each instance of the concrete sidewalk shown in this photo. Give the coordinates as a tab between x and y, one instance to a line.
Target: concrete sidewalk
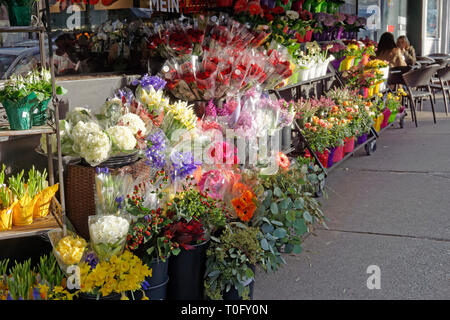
392	210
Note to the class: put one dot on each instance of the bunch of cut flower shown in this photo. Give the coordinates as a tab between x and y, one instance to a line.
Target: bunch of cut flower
362	78
251	115
231	62
109	227
96	138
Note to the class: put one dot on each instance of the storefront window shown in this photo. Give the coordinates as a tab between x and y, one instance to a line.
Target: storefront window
433	17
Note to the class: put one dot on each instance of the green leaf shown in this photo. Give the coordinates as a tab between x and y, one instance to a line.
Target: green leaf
307	216
300	226
297	249
214	273
290	216
280	233
274	208
277	192
277	223
267	228
264	244
288	248
299	203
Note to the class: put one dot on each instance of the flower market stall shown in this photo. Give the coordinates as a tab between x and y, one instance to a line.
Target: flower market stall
182	185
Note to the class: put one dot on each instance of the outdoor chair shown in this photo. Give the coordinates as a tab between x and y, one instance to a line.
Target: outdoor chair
421	60
418	87
395	79
444	85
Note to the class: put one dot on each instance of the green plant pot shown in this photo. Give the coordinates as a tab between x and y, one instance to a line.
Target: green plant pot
19	113
392	117
19	15
40	113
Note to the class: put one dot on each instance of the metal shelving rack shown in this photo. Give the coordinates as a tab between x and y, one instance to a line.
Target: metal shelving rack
42	225
370	145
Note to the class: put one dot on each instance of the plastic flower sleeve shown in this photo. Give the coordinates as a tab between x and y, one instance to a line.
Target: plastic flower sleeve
108	234
111	191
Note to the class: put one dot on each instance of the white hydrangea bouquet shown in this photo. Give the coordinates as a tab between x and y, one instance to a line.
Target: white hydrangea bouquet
108	234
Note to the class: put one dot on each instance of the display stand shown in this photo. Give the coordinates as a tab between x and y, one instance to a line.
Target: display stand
301	143
56	217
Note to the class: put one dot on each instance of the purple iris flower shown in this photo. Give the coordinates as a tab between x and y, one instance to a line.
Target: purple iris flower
183	164
156	149
91	260
101	170
125	95
150	81
119	201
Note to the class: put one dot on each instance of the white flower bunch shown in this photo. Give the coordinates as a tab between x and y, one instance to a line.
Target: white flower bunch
134	122
79	114
91	142
122	137
293	15
109	229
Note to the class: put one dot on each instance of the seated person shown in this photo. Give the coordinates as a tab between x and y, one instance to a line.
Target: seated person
407	50
388	51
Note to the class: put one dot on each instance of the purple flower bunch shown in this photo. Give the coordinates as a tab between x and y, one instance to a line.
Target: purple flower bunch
183	164
351	19
156	148
102	170
91	260
125	95
150	81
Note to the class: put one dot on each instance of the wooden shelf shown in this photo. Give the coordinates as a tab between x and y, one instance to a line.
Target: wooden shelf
38	227
6	132
22	29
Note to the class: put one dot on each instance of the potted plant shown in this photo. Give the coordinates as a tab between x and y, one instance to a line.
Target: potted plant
149	239
230	263
7	203
19	11
287	211
26	98
196	217
110	280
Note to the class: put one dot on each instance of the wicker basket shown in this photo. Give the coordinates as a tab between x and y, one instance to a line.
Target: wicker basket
79	182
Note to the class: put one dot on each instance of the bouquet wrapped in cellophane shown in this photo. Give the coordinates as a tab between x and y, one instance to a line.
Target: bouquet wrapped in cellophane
231	61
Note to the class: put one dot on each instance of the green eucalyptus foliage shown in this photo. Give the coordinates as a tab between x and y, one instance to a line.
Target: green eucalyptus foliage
229	258
287	212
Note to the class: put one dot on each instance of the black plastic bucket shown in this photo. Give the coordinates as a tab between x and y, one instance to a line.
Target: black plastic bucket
160	273
186	273
234	295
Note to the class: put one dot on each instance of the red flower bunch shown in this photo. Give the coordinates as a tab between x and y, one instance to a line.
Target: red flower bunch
186	234
254	8
278	10
154	41
305	15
